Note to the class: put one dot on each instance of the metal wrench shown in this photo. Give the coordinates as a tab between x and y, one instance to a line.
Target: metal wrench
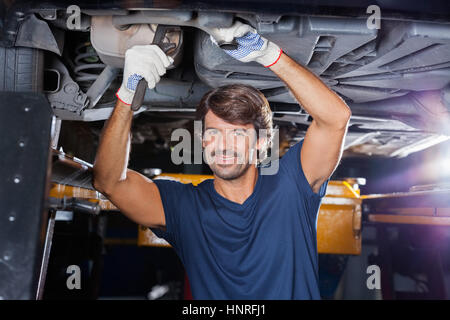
158	38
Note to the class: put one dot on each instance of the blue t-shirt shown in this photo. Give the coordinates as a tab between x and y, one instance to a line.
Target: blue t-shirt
265	248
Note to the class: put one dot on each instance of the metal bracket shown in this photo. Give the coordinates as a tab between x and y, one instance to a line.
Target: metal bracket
67	95
35	33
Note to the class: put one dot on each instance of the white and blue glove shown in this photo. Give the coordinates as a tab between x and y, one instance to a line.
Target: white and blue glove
251	46
145	61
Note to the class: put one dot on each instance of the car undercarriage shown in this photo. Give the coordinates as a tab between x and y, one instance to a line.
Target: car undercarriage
395	78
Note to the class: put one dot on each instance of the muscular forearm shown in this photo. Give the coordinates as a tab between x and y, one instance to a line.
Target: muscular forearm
325	106
112	155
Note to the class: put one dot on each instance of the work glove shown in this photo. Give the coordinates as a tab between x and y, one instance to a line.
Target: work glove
251	46
142	61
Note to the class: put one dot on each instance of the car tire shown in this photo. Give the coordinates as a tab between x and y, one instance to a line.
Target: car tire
21	69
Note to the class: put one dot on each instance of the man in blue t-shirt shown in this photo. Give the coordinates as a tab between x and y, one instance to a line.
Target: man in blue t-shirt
248	233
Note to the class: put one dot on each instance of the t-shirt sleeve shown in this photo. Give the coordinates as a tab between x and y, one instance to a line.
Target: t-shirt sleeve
290	163
174	196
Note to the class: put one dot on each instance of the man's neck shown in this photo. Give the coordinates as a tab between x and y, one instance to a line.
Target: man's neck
237	190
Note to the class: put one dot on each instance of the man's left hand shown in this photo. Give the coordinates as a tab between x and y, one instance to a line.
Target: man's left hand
251	46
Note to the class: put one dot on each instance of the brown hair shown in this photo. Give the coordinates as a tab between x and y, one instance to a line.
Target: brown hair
239	104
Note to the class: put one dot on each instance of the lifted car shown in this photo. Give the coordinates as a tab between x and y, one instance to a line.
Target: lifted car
394	77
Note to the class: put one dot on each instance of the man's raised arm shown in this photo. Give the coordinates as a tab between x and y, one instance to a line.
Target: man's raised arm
134	194
322	147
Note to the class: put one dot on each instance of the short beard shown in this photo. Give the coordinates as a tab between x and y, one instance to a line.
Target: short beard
238	171
239	168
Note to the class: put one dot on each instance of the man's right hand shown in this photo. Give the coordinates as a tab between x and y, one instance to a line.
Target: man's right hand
142	61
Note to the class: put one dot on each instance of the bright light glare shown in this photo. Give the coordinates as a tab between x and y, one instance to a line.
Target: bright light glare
443	164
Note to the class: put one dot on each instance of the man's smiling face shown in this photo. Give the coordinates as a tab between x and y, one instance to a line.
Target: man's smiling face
228	147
